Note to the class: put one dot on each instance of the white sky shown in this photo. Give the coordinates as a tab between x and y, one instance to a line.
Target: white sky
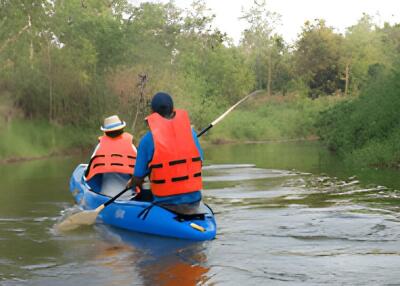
337	13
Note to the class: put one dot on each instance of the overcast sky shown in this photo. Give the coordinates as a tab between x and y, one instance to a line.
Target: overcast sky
338	13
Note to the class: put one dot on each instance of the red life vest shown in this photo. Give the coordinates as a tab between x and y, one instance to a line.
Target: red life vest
176	165
114	155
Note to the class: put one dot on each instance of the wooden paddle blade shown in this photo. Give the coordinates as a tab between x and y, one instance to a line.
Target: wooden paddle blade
76	220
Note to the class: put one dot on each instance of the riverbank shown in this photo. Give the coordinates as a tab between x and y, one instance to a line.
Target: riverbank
61	153
24	140
260	120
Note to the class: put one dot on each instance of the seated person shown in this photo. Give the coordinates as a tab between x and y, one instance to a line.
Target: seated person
113	160
170	155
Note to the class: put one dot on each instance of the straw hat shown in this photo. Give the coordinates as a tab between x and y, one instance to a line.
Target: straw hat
112	123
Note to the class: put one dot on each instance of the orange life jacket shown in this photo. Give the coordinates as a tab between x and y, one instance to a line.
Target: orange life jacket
114	155
176	165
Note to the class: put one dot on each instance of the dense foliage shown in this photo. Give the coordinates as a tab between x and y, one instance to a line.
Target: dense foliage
366	130
69	63
73	62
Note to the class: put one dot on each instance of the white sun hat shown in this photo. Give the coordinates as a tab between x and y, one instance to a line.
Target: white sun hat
112	123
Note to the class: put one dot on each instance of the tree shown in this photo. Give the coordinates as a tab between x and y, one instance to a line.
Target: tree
260	44
317	58
362	47
23	38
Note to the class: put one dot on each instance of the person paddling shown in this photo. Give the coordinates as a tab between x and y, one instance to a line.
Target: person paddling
170	154
114	157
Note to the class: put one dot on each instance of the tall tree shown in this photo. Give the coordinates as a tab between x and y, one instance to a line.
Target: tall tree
23	37
317	56
363	49
259	42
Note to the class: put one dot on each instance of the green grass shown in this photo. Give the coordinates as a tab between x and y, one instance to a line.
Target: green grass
33	138
272	118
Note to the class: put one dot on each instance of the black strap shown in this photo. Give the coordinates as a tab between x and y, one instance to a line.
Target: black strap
116	155
97	156
177	179
176	162
209	208
155	166
143	214
98	165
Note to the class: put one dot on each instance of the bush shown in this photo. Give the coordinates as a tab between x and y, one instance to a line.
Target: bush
365	129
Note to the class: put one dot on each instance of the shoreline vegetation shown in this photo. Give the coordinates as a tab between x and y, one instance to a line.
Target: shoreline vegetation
60	153
65	65
84	150
260	120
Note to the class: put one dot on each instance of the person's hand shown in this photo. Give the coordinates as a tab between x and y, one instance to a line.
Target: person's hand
130	183
135	182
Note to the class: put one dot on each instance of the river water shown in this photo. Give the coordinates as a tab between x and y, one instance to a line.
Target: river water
287	214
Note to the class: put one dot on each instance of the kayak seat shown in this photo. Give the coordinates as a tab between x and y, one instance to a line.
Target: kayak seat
110	184
182	217
188	212
198	208
183	212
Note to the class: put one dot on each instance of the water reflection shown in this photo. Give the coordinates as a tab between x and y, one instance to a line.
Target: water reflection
156	260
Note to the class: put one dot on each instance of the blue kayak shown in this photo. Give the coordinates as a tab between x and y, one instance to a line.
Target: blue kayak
143	216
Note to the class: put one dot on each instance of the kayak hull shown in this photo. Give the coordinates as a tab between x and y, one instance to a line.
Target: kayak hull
141	216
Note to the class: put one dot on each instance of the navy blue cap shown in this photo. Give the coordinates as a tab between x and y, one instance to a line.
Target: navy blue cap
162	103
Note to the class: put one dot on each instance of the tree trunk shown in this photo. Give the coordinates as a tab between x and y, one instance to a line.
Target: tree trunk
12	39
31	44
346	87
269	81
140	103
50	83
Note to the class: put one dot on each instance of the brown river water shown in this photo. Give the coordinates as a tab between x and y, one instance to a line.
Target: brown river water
287	214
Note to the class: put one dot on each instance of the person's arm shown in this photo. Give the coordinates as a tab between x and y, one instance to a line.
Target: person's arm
144	156
196	141
95	150
90	161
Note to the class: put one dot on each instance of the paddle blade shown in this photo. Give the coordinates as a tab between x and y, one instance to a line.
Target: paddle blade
76	220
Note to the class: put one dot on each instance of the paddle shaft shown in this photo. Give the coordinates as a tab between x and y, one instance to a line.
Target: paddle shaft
205	130
116	197
212	124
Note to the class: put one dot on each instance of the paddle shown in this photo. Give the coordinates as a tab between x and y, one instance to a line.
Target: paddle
212	124
89	217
